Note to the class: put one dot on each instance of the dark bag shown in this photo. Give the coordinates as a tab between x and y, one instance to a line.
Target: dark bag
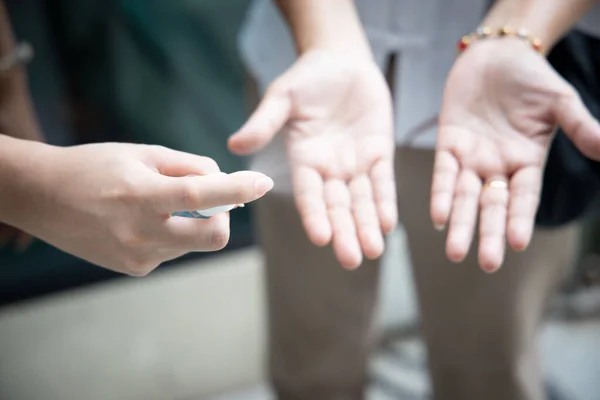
571	187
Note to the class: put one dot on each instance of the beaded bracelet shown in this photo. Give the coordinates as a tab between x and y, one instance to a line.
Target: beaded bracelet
486	32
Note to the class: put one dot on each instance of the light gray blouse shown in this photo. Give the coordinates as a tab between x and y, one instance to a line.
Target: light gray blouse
422	33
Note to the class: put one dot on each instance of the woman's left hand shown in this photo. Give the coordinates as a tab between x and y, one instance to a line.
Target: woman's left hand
502	104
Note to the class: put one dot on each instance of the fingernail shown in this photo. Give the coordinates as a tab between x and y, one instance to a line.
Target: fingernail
440	228
263	185
489	269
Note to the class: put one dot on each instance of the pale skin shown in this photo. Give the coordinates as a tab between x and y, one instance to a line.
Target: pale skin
334	107
109	203
502	105
15	117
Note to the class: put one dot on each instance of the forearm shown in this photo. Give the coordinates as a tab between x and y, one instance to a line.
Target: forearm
17	116
548	20
332	25
21	161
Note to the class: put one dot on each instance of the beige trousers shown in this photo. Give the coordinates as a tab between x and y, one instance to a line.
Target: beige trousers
480	329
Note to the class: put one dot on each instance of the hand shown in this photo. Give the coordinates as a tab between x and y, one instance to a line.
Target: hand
111	204
338	125
502	104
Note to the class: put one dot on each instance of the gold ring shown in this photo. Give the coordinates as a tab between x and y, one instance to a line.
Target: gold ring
496	184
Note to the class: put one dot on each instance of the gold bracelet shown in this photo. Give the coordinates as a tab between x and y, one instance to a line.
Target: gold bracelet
485	32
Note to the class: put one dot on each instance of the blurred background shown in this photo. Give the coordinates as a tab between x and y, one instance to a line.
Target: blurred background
168	72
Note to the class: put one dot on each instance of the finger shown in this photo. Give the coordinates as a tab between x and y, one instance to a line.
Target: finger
579	125
203	192
492	224
445	172
384	192
191	234
269	118
310	200
177	163
366	219
464	216
345	241
525	191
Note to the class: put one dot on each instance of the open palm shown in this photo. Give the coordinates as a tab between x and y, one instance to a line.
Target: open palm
337	117
502	104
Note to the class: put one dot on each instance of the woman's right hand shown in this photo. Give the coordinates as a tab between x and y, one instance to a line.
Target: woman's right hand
111	203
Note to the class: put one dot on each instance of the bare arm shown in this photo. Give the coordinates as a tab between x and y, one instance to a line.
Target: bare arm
331	25
331	104
17	117
549	20
19	160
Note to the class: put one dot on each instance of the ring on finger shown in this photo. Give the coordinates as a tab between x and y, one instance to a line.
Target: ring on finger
496	184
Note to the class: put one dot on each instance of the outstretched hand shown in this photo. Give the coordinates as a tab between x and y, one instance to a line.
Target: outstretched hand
337	117
502	104
112	204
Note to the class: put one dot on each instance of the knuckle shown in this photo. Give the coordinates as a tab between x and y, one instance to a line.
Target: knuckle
131	241
218	239
467	192
210	166
128	238
190	197
128	192
139	265
569	93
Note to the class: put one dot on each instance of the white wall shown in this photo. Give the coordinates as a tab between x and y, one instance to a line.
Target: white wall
184	333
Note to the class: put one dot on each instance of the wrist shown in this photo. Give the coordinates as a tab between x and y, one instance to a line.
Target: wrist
538	39
344	38
354	50
546	20
333	26
507	33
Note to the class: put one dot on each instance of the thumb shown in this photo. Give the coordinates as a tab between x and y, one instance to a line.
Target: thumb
267	120
579	124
